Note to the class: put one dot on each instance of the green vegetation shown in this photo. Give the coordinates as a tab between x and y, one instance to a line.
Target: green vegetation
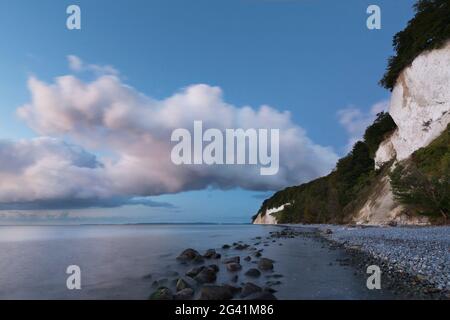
429	29
423	182
328	199
378	131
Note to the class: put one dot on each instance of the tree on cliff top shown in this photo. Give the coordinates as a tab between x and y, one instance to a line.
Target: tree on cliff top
429	29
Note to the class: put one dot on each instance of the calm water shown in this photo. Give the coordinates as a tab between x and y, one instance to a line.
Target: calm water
115	261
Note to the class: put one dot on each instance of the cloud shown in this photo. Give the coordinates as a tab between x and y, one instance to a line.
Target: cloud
77	65
13	216
133	131
48	173
356	121
81	203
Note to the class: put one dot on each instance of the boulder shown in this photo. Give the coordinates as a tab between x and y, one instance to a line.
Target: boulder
241	246
207	275
250	288
185	294
162	293
235	259
265	264
198	259
209	253
194	271
233	289
188	255
215	267
253	273
211	292
183	284
233	266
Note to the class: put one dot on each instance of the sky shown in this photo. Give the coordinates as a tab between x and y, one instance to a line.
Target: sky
86	114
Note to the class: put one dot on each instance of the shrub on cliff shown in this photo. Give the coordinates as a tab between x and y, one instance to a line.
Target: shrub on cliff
378	131
429	29
424	182
428	195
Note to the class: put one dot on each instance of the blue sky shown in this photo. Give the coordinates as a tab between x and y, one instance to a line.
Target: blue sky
312	58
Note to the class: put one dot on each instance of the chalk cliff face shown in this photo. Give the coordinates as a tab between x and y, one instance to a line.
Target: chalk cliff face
268	218
420	107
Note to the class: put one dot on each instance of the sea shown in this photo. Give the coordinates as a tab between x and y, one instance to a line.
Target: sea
124	261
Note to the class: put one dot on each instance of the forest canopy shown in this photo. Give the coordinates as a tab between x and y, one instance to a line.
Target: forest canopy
429	29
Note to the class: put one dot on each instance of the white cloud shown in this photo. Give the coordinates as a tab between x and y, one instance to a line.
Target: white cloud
355	121
77	65
134	130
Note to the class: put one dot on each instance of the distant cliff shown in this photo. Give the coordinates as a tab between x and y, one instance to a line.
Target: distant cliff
400	172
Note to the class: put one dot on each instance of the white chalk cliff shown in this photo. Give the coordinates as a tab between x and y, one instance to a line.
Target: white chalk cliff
267	217
420	106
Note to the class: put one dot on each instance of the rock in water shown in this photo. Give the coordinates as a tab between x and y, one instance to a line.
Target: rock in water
250	288
198	259
215	267
182	284
188	255
233	289
216	293
233	266
185	294
253	273
162	293
241	246
207	275
209	253
194	271
235	259
265	264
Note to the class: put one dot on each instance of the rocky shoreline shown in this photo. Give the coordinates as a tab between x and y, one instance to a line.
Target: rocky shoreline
242	271
251	276
415	261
